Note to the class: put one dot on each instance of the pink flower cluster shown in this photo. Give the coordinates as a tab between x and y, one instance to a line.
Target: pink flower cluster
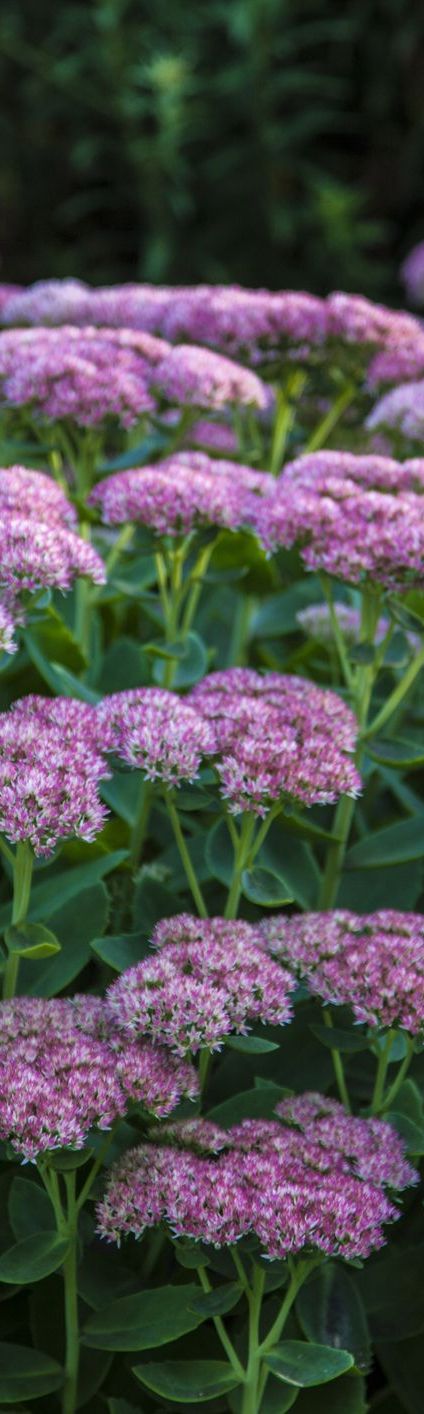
316	622
412	272
152	729
30	493
402	409
316	1179
255	325
35	554
63	1071
181	492
48	785
192	376
277	737
210	978
356	517
87	375
371	962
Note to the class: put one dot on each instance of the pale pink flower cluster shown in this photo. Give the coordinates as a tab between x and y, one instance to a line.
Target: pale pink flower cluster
371	962
63	1071
316	1179
316	622
87	375
183	491
412	273
277	737
48	785
30	493
356	517
192	376
36	554
152	729
77	723
402	409
210	978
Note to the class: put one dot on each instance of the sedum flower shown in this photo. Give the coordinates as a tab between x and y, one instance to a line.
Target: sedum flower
181	492
371	962
412	273
210	978
152	729
35	555
77	723
86	375
192	376
278	737
315	1177
402	409
63	1071
29	493
316	622
48	786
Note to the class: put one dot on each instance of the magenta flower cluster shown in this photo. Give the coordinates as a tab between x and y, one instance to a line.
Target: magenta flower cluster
48	785
86	375
183	491
152	729
370	962
210	977
401	410
192	376
358	518
63	1071
313	1178
277	737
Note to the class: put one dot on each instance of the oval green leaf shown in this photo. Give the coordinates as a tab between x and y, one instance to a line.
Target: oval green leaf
145	1320
188	1381
31	940
32	1258
298	1363
26	1374
263	886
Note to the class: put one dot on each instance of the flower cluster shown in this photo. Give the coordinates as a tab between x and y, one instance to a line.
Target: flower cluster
356	517
315	1179
32	494
192	376
63	1071
83	374
35	555
317	622
371	962
48	785
152	729
211	977
402	409
77	723
181	492
278	737
412	272
10	616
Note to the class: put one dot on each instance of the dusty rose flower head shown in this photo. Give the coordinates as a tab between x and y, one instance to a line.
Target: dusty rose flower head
181	492
49	302
26	492
317	1179
48	787
359	320
36	555
412	274
77	722
63	1071
371	962
211	436
278	737
152	729
357	517
401	409
196	377
316	622
86	375
210	978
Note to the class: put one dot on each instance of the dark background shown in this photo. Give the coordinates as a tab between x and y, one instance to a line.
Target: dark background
274	142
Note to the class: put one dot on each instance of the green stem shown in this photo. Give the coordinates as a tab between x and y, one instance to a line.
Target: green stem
396	697
380	1079
196	586
205	1060
22	876
71	1302
139	829
337	633
380	1101
338	1066
220	1329
299	1273
240	861
250	1402
84	600
332	417
286	411
185	857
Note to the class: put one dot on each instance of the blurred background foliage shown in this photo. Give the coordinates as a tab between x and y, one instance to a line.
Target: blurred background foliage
273	142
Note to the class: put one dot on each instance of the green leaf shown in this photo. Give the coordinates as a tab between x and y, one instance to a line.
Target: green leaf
402	1362
51	641
413	1134
121	951
33	1258
336	1038
344	1396
298	1363
188	1381
31	940
262	886
395	844
147	1319
392	1290
152	901
219	853
46	898
292	861
219	1301
277	1399
30	1210
75	924
26	1374
67	1160
331	1312
396	752
251	1045
249	1104
67	684
190	654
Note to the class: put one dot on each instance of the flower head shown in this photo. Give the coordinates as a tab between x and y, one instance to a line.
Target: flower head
48	787
313	1178
401	409
63	1071
35	554
317	622
277	737
192	376
210	978
181	492
371	962
29	493
152	729
412	273
87	375
77	723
